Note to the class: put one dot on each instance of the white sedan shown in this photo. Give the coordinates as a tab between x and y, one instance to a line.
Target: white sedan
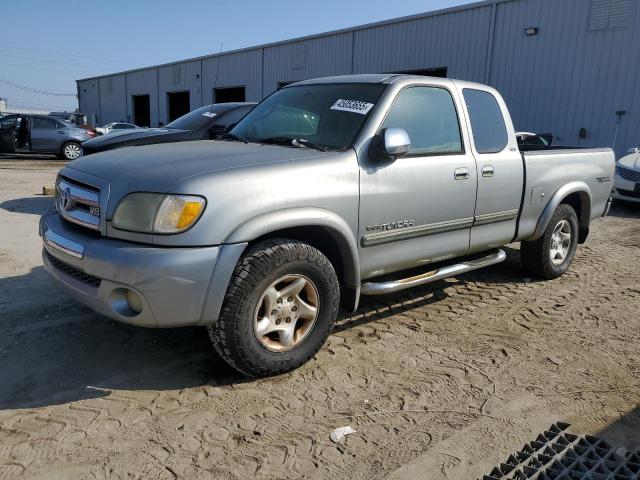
626	184
115	127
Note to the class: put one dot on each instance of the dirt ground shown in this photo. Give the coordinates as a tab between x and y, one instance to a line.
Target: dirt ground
439	382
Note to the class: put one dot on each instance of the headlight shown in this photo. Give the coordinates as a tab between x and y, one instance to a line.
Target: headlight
157	212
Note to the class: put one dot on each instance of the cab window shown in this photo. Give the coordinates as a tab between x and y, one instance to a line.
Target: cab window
489	130
429	116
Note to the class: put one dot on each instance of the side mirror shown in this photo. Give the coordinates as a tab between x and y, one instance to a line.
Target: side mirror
633	151
390	143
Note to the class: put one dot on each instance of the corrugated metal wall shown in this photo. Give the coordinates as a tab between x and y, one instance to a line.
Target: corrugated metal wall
317	57
576	73
456	40
89	97
233	70
180	77
568	77
113	99
143	82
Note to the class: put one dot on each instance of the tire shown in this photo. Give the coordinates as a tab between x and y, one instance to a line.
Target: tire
537	255
259	301
71	151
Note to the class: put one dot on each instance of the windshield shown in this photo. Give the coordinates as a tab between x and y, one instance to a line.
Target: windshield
324	115
201	117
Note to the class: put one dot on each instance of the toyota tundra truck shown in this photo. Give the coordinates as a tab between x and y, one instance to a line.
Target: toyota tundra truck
328	190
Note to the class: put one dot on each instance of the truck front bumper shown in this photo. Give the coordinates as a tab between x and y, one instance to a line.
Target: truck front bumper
137	284
625	190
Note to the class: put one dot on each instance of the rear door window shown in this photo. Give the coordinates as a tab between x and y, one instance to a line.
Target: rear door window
44	123
487	122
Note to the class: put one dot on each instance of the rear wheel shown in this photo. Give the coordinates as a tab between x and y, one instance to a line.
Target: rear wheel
551	255
71	151
280	307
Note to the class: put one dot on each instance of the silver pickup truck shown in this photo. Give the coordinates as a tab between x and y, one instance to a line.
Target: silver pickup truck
328	190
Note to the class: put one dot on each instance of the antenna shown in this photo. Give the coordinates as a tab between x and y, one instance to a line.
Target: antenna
215	80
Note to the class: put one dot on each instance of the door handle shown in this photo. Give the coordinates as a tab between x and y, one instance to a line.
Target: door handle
488	171
461	173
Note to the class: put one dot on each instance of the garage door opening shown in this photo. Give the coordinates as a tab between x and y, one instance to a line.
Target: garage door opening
178	104
427	72
142	110
229	94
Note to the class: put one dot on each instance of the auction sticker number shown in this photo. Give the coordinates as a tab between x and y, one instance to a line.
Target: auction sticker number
354	106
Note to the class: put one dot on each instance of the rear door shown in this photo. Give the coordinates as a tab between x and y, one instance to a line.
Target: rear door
46	135
419	208
500	170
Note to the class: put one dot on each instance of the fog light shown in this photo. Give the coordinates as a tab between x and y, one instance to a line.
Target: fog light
134	301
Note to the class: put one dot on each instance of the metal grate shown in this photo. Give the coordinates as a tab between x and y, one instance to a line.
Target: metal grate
299	56
73	272
628	174
559	455
609	14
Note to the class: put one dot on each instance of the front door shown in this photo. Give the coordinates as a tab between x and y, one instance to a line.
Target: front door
419	208
8	133
45	135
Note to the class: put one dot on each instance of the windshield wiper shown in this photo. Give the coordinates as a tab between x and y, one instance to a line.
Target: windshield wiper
306	143
234	136
293	142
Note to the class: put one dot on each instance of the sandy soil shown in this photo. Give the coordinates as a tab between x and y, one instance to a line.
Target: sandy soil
443	381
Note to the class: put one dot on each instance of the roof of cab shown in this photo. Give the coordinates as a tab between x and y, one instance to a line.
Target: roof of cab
362	78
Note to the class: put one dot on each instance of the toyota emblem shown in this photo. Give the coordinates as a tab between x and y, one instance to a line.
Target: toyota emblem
65	199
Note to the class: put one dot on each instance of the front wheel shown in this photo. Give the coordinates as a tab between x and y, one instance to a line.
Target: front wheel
551	255
279	309
71	151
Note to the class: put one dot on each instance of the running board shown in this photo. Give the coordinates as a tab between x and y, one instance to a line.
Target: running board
370	288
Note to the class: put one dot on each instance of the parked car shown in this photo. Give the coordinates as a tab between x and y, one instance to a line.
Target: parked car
22	133
204	123
528	139
626	184
327	190
116	127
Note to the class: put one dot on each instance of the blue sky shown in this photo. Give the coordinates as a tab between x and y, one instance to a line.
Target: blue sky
47	45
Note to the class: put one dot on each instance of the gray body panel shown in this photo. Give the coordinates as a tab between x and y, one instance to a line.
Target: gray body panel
254	190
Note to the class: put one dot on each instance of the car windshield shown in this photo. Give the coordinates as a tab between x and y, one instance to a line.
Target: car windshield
199	118
323	116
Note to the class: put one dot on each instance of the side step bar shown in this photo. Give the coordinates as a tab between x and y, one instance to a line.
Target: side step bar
370	288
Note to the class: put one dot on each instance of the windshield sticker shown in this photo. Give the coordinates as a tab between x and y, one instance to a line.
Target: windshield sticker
209	114
354	106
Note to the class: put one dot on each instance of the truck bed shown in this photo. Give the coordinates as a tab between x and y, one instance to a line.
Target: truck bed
553	173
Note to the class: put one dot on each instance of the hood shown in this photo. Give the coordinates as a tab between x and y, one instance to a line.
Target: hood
132	134
154	168
630	161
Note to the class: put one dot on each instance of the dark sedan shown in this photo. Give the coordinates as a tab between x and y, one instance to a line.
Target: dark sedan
205	123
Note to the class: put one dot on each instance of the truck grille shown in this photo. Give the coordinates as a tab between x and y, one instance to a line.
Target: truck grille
78	202
628	193
73	272
628	174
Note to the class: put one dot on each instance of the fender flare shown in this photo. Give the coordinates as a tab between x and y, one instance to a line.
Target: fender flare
306	217
563	192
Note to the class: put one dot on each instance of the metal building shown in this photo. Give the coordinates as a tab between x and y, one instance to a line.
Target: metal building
567	67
